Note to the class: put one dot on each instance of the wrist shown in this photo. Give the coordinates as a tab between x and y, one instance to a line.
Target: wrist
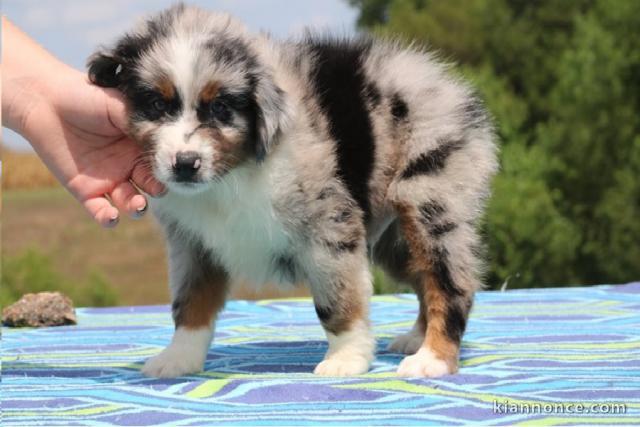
26	93
19	96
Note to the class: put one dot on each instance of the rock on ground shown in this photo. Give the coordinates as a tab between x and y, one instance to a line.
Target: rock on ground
41	309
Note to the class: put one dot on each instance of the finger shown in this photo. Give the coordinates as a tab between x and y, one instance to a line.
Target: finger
127	199
102	211
142	176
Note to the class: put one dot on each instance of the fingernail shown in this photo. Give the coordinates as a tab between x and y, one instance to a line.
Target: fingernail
141	211
114	221
164	191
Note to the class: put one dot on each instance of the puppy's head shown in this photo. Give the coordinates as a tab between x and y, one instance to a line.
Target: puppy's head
200	100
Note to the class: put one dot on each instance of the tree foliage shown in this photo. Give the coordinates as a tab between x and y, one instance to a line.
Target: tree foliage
562	80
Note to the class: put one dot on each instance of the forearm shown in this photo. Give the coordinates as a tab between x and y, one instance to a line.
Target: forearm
24	63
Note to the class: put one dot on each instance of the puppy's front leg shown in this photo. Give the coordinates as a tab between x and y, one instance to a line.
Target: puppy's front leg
199	289
342	304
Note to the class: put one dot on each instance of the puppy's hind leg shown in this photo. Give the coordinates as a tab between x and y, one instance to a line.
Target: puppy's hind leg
438	224
444	264
199	290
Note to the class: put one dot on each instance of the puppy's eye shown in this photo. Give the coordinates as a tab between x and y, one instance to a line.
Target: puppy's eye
220	110
159	104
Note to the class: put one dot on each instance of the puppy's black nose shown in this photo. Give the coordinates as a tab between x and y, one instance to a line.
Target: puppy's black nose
186	165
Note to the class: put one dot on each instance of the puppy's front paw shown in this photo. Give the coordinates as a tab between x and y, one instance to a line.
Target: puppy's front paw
342	366
171	363
425	364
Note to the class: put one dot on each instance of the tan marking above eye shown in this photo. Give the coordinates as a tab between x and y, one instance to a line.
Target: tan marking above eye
209	92
166	88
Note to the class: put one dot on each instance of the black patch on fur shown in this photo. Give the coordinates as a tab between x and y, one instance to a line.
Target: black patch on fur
286	266
143	100
431	211
232	51
324	313
340	85
437	230
399	108
115	68
103	71
235	103
372	94
456	322
441	272
133	46
342	246
433	161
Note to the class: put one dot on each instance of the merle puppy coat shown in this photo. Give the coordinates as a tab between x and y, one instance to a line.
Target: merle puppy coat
298	162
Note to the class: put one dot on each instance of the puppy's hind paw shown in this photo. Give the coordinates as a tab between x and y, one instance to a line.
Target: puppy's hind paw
408	343
425	364
171	363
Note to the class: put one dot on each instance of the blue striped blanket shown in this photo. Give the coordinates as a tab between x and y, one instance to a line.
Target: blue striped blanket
546	356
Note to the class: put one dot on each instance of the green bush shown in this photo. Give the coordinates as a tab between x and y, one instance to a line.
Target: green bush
34	272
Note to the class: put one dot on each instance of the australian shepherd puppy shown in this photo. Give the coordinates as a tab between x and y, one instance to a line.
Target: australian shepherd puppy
298	162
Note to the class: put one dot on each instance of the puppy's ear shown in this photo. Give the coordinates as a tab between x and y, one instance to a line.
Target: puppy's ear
272	114
104	70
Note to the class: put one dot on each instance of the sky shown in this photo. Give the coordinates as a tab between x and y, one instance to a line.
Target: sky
73	29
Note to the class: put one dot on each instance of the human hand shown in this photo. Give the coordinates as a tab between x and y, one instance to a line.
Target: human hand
76	128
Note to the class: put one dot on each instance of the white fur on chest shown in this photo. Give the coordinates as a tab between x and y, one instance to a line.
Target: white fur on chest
236	221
